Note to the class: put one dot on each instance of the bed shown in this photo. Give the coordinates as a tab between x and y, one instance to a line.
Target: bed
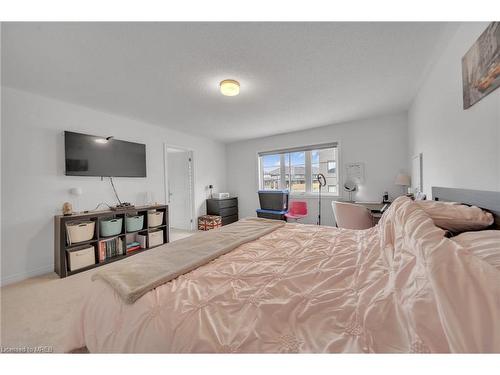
399	287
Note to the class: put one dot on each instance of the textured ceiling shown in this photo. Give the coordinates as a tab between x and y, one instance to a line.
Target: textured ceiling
293	75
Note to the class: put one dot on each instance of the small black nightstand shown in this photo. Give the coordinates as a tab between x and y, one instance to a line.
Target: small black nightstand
226	208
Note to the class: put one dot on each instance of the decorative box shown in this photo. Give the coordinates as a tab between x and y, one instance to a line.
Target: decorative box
208	222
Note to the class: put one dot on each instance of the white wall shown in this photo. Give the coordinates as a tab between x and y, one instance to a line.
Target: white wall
34	186
461	148
381	143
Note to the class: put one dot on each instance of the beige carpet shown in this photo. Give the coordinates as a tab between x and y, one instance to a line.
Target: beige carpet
37	312
178	234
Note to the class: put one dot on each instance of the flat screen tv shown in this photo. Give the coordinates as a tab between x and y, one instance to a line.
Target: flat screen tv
88	155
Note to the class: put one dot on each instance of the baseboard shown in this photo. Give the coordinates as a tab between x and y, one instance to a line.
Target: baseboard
26	275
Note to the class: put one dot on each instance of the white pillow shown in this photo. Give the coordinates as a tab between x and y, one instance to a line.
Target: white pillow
484	244
456	217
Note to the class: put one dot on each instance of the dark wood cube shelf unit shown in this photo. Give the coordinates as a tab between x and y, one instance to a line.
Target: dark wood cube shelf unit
61	240
226	208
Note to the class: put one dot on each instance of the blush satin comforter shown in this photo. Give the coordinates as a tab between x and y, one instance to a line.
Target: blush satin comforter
398	287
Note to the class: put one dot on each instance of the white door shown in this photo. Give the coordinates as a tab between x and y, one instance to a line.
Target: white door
179	188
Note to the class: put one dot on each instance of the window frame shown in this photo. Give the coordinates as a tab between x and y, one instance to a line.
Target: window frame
308	170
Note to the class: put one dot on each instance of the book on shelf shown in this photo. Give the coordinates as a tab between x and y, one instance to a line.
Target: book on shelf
133	248
110	248
133	244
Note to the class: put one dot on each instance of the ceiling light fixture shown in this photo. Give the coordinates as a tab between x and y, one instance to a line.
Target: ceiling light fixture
229	87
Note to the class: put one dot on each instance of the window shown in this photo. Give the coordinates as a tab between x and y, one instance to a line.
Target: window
332	188
331	167
297	169
271	174
325	161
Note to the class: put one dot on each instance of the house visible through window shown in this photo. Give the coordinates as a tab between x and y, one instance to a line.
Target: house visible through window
332	167
297	169
270	169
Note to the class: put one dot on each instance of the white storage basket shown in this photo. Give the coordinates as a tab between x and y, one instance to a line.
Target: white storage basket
155	218
155	238
80	258
80	231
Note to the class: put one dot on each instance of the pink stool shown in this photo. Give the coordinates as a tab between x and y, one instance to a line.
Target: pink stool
297	210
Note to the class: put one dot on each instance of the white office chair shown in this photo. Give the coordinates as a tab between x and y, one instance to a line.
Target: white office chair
352	216
419	196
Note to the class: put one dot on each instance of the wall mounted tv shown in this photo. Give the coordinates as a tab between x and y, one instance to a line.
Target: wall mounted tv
89	155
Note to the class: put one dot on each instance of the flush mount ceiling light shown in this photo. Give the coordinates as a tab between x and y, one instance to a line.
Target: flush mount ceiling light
230	87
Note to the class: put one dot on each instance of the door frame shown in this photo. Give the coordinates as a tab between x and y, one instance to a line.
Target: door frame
191	178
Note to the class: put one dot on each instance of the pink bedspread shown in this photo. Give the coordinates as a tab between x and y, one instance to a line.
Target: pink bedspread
398	287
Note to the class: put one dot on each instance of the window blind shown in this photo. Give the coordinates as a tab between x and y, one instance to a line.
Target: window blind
297	149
